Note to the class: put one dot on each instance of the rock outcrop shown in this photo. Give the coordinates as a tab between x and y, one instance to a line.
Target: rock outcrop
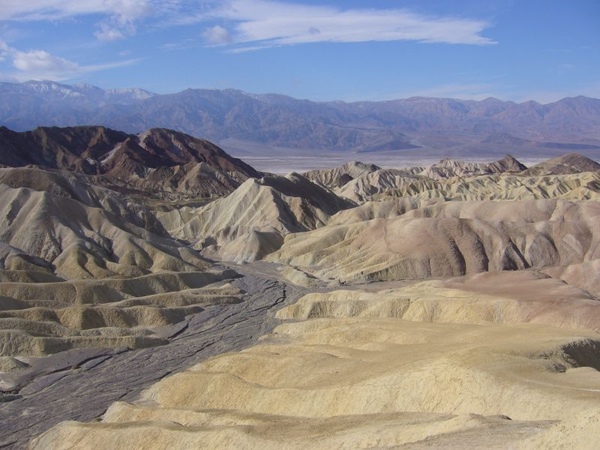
158	162
251	222
449	239
452	306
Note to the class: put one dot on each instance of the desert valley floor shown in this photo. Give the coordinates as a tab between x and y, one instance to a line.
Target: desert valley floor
156	293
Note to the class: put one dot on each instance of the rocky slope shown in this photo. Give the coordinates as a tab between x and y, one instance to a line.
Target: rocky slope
251	222
449	240
564	164
159	162
82	267
335	178
448	168
388	184
407	368
470	296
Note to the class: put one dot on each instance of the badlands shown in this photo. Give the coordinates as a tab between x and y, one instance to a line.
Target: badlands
157	293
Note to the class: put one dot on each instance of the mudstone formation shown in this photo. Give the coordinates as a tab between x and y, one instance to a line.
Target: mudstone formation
163	294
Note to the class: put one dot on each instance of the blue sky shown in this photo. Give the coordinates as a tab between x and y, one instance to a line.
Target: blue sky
317	49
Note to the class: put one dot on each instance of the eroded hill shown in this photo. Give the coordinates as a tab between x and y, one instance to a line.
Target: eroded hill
158	162
440	301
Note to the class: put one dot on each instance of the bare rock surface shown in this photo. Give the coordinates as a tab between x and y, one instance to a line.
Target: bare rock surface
449	168
564	164
437	303
337	177
158	161
81	385
367	372
451	239
57	223
250	223
385	184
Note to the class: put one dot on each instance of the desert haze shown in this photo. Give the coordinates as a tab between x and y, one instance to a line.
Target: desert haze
156	292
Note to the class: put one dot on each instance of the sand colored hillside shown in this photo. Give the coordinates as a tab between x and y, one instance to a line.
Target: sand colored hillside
63	226
471	372
385	178
564	164
493	297
450	239
80	189
384	209
83	266
383	184
38	319
444	299
339	176
448	168
585	275
251	222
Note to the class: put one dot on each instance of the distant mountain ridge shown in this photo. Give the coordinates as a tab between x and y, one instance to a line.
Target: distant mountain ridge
81	91
225	116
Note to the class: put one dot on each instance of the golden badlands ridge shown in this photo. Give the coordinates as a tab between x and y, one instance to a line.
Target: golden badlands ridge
450	306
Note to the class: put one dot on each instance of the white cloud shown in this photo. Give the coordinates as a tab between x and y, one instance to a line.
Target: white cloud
59	9
256	23
126	11
107	33
4	49
42	62
247	48
31	10
270	23
122	21
41	65
217	35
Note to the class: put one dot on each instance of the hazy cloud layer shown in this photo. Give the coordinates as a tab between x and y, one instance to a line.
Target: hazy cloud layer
118	21
237	25
273	23
59	9
256	21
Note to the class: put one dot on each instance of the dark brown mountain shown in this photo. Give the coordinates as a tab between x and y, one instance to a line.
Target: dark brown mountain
72	148
158	161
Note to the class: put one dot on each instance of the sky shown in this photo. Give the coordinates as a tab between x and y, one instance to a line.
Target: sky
321	50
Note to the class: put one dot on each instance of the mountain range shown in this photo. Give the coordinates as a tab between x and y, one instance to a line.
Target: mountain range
237	120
